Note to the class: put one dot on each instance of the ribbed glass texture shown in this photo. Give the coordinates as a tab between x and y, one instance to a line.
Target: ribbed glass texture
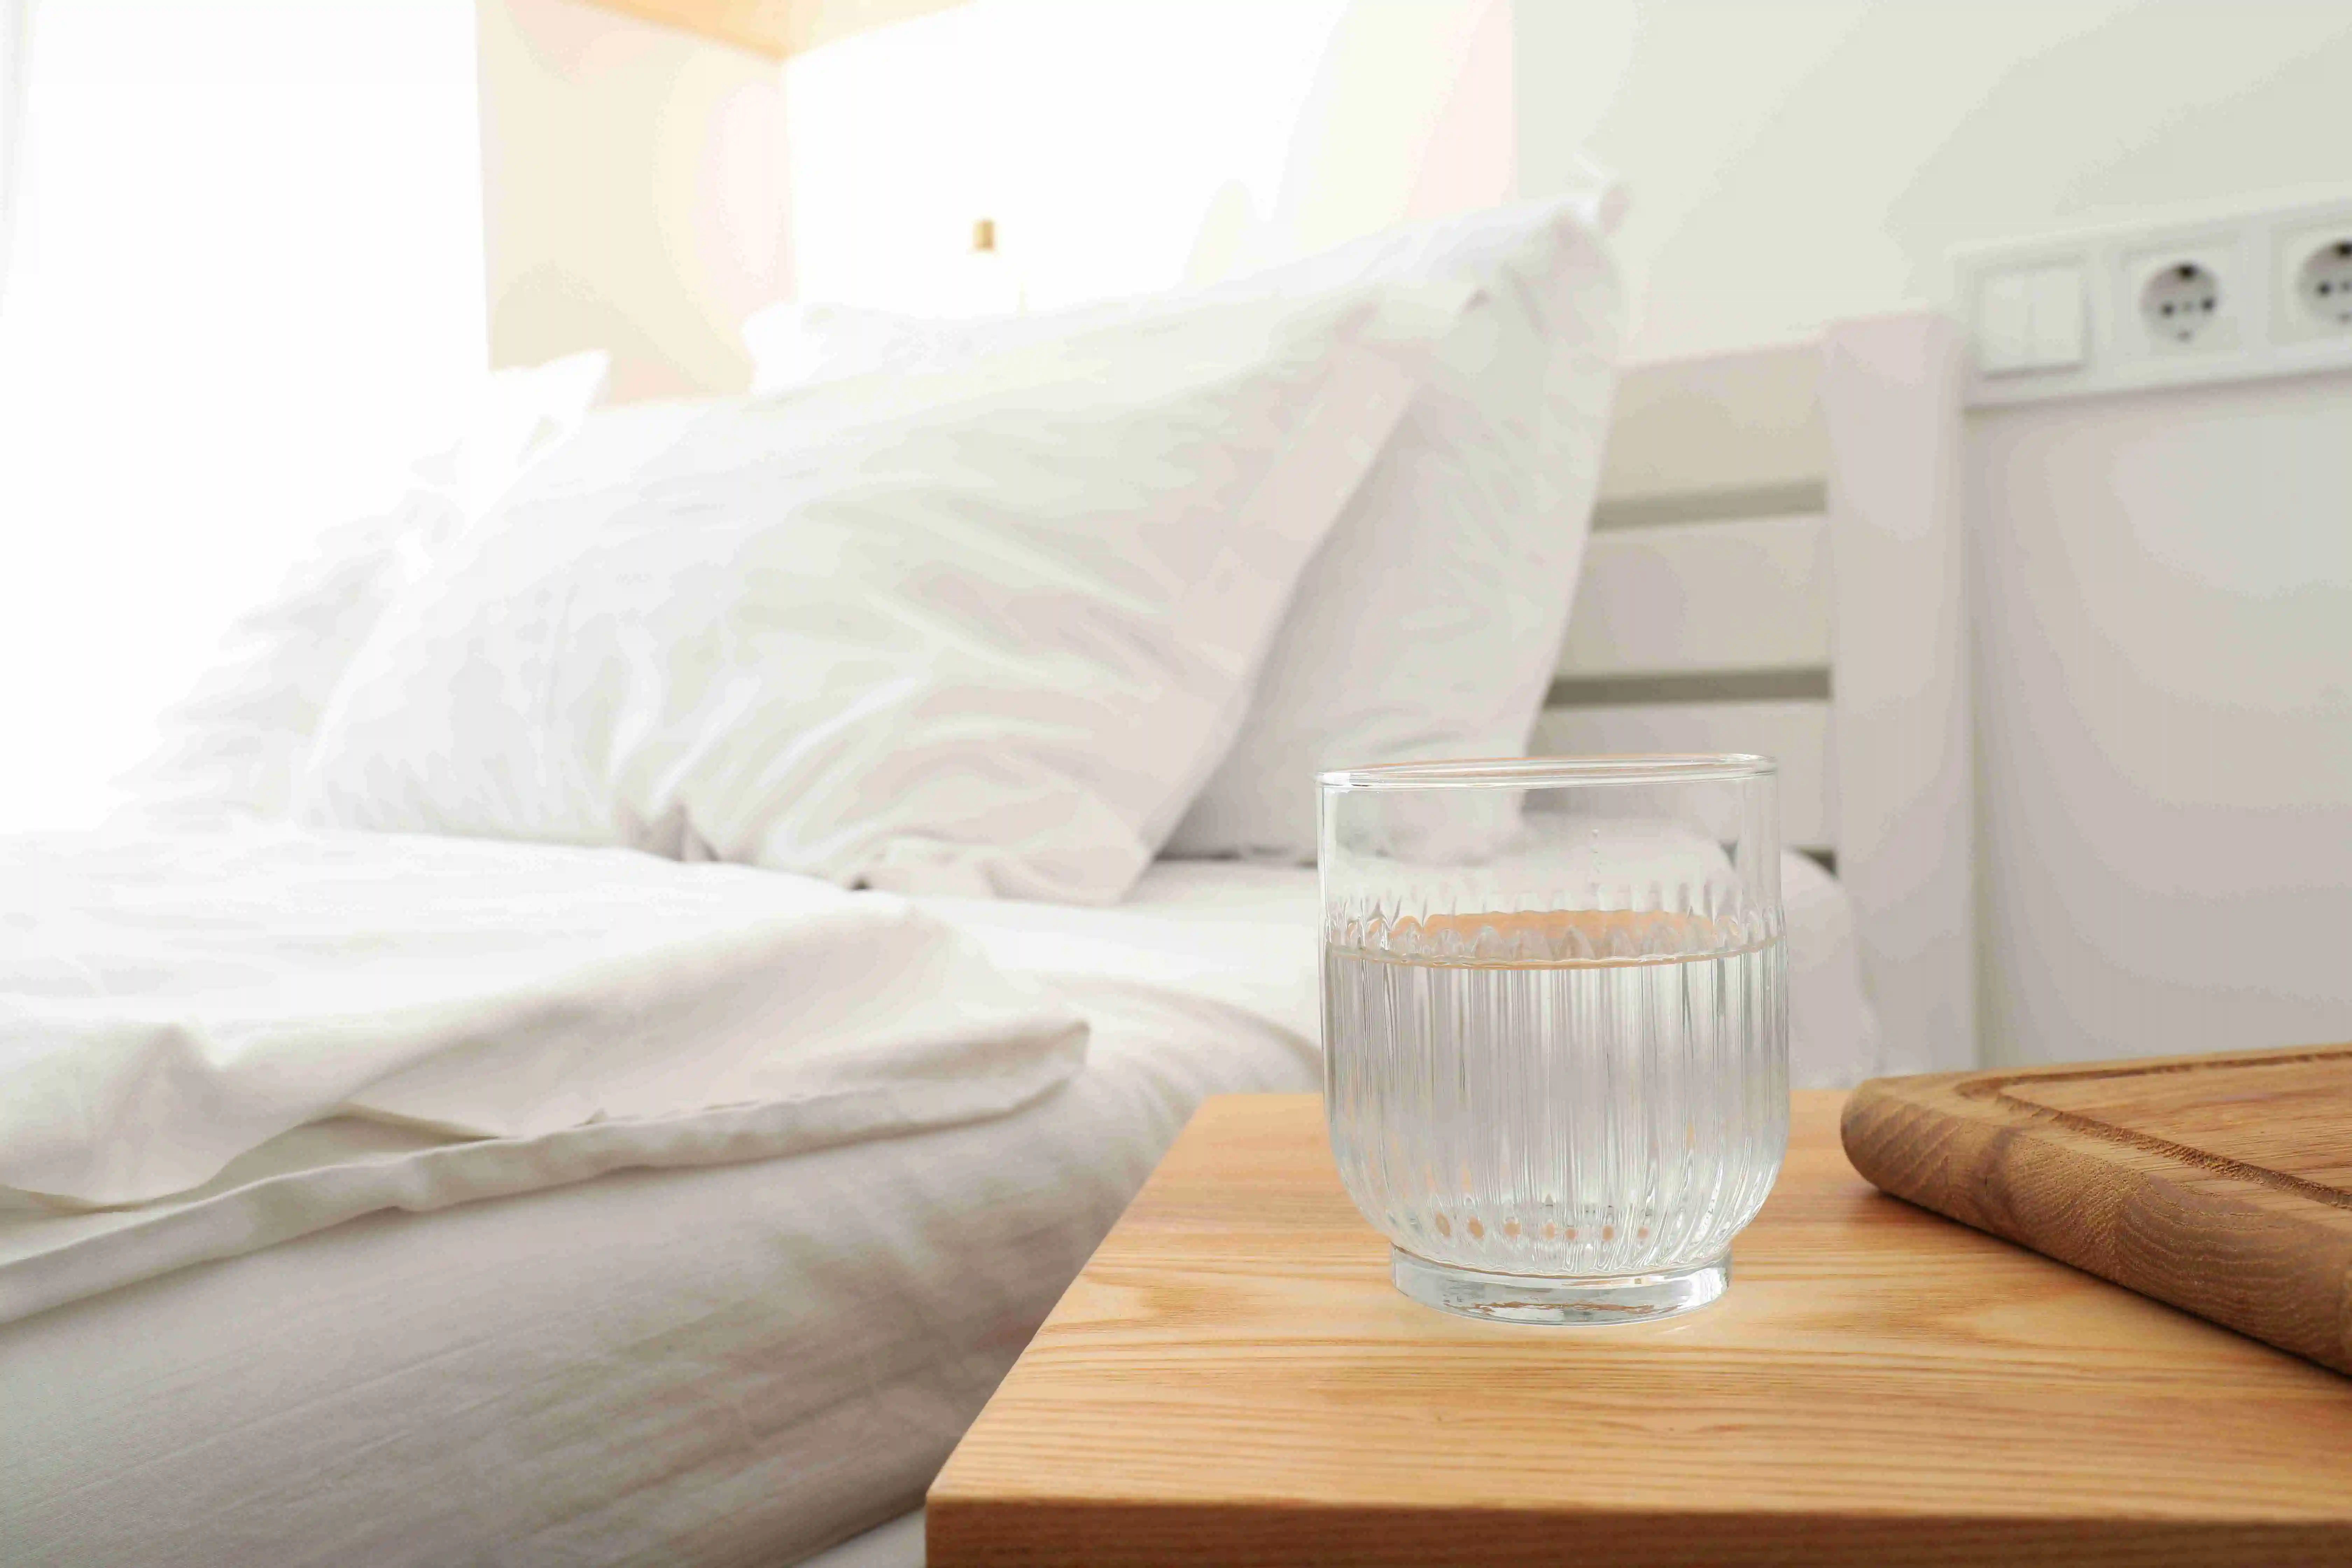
1555	1016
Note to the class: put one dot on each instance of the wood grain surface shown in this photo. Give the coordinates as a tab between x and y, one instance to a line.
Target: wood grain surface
1233	1379
2220	1183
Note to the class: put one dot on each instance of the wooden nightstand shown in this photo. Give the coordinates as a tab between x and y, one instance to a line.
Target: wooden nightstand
1233	1379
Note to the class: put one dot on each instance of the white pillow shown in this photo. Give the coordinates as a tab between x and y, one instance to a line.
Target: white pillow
979	631
1429	623
232	746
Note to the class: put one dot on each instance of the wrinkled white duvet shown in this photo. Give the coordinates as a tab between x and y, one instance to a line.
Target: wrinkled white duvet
171	1004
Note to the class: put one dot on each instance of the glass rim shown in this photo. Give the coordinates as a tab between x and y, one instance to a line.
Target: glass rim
1543	773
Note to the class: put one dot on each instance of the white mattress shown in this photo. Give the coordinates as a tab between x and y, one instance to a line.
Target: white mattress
736	1364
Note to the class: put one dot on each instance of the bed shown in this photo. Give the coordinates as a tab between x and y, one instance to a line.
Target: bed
759	1359
745	1362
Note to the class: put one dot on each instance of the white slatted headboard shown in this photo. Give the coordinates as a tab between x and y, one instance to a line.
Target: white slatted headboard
1776	566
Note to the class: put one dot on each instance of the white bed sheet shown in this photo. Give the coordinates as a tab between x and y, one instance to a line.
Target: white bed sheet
742	1364
738	1363
173	1005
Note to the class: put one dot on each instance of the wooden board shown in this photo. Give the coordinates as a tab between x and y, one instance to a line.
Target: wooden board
1232	1379
2220	1183
1751	593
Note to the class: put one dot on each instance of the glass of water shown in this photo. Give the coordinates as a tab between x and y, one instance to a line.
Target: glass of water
1556	1025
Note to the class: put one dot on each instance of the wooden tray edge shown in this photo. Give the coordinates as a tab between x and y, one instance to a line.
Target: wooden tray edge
2099	1205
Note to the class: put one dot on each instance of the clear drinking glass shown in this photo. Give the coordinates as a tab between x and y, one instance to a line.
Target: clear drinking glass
1556	1025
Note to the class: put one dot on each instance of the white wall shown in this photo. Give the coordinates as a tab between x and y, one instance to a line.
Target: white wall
2163	583
2164	603
1136	144
1791	161
1083	131
1130	146
1798	161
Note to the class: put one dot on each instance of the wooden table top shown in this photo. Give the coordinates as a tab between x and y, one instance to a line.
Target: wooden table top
1234	1379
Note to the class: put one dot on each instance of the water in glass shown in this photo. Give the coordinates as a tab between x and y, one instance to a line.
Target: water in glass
1556	1114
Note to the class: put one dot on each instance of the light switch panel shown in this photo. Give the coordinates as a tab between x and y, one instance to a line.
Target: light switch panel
2030	319
2055	338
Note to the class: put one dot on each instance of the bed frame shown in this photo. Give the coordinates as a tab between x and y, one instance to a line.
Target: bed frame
1776	566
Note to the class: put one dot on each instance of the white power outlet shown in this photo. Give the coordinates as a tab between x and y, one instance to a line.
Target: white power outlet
2313	286
2184	296
2179	303
2324	282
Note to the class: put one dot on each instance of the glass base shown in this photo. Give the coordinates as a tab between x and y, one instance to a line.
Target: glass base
1539	1299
